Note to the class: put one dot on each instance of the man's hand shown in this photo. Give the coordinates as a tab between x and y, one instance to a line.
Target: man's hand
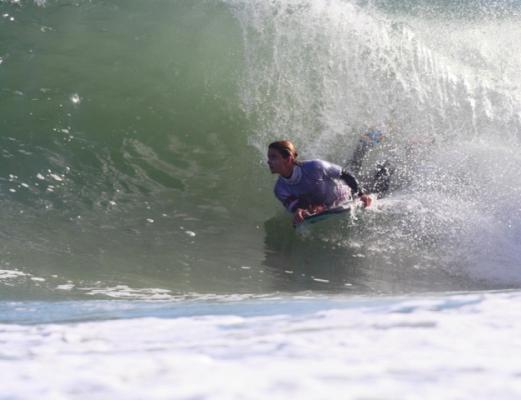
366	199
299	215
317	209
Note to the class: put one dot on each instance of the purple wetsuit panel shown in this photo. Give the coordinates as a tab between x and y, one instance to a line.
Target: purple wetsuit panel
312	183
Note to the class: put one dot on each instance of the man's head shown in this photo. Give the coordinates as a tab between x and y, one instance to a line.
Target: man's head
282	157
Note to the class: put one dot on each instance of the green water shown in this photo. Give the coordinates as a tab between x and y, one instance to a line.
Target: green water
132	141
157	134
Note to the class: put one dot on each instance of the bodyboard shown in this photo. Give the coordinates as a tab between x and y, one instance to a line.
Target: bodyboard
329	213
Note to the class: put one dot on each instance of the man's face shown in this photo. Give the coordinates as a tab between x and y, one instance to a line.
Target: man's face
278	164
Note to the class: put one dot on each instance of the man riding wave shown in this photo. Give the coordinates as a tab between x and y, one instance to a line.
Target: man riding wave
310	187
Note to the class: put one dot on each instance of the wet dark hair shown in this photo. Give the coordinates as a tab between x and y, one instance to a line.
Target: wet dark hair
285	148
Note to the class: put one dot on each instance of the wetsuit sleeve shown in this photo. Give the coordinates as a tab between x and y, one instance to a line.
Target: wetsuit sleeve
351	181
290	202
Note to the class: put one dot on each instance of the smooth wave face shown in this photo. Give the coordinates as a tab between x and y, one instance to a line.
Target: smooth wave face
133	138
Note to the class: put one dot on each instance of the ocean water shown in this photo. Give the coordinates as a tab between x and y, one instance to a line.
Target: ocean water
142	247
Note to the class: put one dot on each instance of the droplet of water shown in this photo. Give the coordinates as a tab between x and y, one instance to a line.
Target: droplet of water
75	98
56	177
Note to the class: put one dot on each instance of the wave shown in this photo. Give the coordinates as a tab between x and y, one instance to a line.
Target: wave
133	140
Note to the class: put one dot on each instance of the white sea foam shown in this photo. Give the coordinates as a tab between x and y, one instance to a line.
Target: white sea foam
67	286
6	274
126	292
437	347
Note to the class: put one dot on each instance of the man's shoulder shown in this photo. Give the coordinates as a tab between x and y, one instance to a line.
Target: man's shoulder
317	165
309	165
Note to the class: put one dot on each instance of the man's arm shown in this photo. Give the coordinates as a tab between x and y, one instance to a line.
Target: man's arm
334	171
356	189
351	181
